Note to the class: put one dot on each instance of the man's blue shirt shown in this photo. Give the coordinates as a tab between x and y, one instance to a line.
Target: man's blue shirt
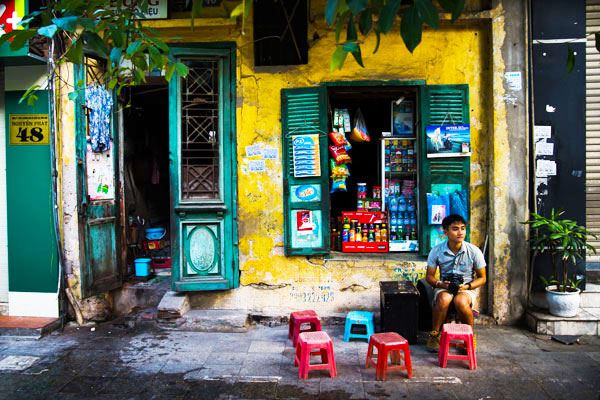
468	259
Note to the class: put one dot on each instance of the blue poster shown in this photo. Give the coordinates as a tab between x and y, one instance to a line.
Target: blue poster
448	140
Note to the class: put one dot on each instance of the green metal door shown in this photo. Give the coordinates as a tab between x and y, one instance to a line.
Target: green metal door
203	170
98	196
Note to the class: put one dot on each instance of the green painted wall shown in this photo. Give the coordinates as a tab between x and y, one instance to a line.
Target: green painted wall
32	251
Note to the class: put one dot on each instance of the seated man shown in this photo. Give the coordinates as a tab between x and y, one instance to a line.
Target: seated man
456	258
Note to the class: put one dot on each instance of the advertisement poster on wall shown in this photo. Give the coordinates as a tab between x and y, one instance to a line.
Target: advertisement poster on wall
448	140
306	228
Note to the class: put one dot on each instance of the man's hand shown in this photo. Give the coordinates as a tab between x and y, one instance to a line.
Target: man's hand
463	287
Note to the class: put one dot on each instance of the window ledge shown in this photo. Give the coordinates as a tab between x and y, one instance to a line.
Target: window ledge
187	23
410	257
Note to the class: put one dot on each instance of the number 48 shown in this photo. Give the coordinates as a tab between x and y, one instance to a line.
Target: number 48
35	135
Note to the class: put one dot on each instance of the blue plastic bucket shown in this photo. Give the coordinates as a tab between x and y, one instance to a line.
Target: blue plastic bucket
142	266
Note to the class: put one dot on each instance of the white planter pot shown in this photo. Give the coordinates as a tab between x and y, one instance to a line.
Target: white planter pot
562	304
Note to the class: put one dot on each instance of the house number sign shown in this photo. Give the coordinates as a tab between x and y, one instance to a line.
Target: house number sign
28	129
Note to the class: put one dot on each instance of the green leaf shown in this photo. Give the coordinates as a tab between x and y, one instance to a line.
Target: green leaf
351	31
134	47
8	36
349	47
387	15
377	40
75	52
95	43
356	6
170	71
181	69
237	11
340	25
155	57
365	23
338	58
115	55
48	31
570	59
358	57
73	95
28	93
330	11
411	28
428	13
455	7
88	23
112	83
68	24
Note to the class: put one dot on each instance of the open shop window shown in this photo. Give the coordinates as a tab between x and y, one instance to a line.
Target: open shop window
417	157
373	189
147	185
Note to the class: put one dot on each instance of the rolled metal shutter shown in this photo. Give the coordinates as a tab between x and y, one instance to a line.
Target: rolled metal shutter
592	120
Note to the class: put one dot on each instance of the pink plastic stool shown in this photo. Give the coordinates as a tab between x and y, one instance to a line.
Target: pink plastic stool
298	318
318	343
388	344
458	332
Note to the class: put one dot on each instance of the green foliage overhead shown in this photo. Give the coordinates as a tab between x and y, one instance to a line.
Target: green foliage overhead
98	27
378	17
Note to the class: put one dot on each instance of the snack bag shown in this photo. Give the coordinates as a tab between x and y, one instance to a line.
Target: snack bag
339	154
338	171
359	132
337	138
338	185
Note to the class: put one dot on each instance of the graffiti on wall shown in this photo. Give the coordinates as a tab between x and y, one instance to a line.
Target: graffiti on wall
411	273
312	294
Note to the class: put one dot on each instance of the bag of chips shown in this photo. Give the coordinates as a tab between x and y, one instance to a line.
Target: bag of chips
359	132
339	154
338	171
338	185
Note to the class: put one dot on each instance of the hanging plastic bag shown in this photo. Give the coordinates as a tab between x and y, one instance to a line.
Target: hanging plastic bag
458	204
359	132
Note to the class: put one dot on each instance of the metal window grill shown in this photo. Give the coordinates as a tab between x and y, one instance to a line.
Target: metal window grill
200	129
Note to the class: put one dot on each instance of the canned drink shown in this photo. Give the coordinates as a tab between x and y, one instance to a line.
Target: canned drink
360	203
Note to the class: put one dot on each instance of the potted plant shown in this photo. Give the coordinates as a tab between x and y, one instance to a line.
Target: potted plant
566	243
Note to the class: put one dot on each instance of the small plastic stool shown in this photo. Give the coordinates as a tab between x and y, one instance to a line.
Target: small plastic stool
298	318
359	318
389	344
458	332
314	343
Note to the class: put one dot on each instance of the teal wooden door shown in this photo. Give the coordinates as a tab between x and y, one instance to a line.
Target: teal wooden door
203	170
98	197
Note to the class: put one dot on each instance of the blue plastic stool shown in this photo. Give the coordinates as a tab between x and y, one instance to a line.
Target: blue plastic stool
359	318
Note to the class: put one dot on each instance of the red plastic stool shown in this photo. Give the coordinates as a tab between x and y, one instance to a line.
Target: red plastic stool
314	343
459	332
298	318
389	344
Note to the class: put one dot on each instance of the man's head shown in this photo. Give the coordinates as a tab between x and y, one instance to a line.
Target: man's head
455	228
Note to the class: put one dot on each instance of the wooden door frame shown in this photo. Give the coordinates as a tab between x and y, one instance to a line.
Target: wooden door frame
227	50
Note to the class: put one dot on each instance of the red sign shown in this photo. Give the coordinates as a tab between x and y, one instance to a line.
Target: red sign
11	13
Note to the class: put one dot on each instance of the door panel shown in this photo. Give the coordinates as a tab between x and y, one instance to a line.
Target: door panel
202	146
97	196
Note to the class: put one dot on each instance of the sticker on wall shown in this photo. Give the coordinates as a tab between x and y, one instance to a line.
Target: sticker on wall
305	153
270	153
305	193
448	140
28	129
306	228
256	166
100	174
254	150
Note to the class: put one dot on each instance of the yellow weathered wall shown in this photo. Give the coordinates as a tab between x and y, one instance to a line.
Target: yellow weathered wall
271	283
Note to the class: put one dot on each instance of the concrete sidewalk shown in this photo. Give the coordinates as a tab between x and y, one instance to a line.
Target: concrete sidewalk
116	360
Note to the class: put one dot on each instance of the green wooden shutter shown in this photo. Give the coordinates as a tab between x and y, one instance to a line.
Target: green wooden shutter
440	105
303	114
